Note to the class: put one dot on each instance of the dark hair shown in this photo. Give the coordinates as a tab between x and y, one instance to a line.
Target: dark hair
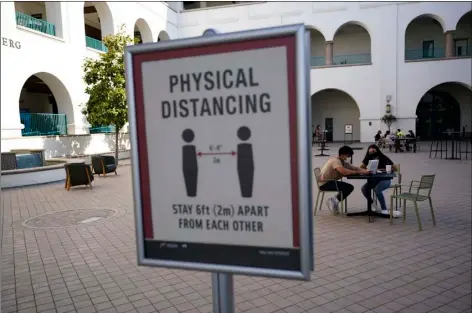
346	150
377	149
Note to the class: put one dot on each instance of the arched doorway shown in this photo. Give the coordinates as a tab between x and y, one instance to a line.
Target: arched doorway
142	32
98	24
352	44
442	108
333	109
45	106
163	35
424	38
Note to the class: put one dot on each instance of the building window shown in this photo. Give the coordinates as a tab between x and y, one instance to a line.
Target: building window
428	49
461	46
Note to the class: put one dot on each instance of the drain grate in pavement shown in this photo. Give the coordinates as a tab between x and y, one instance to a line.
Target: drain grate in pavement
69	218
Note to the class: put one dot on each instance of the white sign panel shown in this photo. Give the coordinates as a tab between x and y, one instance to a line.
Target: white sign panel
348	129
218	133
198	181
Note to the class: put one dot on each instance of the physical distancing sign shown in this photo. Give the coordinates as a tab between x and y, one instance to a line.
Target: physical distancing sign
219	145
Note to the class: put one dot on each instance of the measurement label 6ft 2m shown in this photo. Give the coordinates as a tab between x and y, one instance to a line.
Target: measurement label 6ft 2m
221	210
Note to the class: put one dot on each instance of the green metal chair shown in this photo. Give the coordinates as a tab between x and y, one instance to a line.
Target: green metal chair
423	193
318	179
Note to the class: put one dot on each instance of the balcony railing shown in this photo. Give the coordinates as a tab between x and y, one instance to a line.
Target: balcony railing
35	24
102	129
364	58
43	124
95	44
318	61
420	54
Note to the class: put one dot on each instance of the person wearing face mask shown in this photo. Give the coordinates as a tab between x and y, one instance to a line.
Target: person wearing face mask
374	153
335	169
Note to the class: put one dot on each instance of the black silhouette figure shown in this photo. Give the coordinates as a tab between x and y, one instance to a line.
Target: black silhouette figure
189	163
245	163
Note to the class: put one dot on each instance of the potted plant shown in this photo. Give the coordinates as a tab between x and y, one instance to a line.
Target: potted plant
388	120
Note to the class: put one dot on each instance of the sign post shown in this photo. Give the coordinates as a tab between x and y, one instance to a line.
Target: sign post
221	155
348	134
221	283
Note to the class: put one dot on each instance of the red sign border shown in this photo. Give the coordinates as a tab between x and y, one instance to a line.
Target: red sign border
288	41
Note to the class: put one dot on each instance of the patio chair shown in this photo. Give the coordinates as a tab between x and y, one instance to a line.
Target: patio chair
78	174
387	142
317	172
423	192
104	164
395	182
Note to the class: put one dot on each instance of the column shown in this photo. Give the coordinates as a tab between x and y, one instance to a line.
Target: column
449	44
54	16
329	53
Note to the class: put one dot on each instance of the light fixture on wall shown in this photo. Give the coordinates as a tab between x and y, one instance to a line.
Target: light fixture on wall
388	107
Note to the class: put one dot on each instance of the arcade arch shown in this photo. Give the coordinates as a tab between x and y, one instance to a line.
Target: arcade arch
352	44
142	32
98	24
45	106
163	35
41	16
424	38
318	47
332	109
447	106
463	36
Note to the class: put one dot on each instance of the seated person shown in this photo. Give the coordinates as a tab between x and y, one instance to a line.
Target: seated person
378	136
388	140
411	135
374	153
396	141
335	169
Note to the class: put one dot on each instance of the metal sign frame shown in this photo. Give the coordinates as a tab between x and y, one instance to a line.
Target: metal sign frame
292	36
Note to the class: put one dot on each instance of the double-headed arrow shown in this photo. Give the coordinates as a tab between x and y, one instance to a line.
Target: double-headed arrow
232	153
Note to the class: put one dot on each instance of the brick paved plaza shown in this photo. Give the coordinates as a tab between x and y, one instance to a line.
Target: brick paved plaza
360	267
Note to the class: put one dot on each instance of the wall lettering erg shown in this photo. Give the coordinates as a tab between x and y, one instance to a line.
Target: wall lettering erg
7	42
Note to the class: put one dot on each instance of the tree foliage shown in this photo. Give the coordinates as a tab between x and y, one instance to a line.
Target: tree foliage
388	119
105	84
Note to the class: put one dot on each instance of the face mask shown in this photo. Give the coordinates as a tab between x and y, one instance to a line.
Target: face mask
373	155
